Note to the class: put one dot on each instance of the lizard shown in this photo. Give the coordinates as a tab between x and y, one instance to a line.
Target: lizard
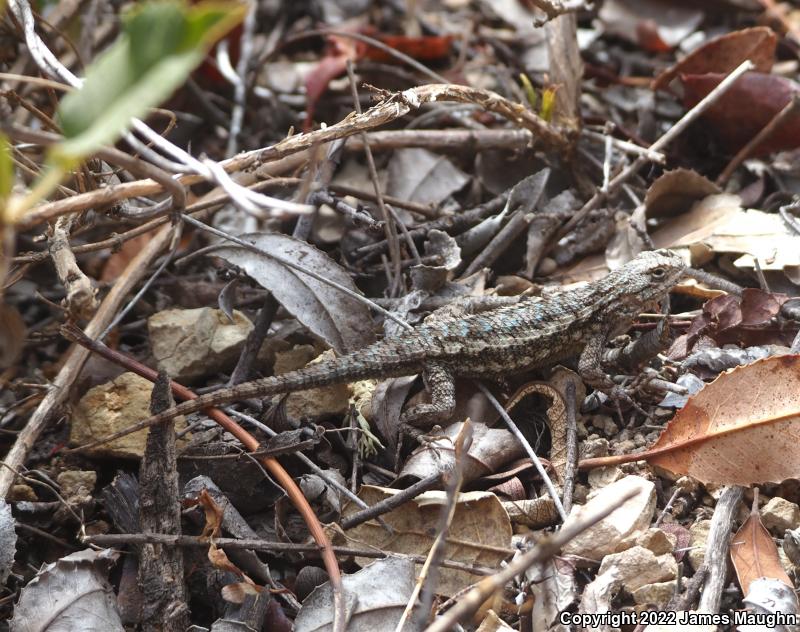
529	334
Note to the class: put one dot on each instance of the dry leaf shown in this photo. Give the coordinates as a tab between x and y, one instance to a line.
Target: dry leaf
480	532
70	594
724	53
343	322
12	335
743	111
491	449
375	598
739	430
754	554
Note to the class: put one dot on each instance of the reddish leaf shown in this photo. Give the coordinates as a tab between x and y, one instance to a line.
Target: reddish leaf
739	430
746	108
747	320
426	48
754	554
724	53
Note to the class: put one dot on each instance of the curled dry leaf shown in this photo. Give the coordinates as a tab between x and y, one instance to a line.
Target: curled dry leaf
739	430
722	54
71	594
376	598
340	320
480	532
491	449
754	554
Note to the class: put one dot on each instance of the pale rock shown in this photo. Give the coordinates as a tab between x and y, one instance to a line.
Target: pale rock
698	538
603	476
779	514
72	482
657	594
294	358
111	407
314	403
593	448
193	343
658	541
639	566
634	516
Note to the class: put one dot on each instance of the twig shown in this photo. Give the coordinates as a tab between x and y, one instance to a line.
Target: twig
717	546
392	502
764	134
266	546
388	223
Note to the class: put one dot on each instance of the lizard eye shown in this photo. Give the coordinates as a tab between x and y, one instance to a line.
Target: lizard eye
658	273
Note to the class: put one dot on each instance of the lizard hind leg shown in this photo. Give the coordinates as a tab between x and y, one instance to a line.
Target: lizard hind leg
442	388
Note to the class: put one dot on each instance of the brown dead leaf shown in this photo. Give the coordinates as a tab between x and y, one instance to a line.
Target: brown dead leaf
746	108
674	192
722	54
480	531
12	335
747	320
754	554
739	430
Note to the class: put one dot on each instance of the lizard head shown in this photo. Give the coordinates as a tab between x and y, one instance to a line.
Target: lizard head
646	279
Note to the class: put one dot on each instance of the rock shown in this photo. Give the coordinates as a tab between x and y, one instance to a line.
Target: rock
194	343
698	537
603	476
314	403
639	566
593	448
657	594
633	517
74	482
654	539
780	514
109	408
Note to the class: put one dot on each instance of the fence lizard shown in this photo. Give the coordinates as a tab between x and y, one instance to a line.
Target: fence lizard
505	340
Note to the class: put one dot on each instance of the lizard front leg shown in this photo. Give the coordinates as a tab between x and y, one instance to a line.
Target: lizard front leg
442	388
592	373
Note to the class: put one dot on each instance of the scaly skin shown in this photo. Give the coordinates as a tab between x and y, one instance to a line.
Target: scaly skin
506	340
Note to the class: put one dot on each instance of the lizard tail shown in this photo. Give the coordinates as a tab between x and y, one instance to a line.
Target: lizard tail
357	365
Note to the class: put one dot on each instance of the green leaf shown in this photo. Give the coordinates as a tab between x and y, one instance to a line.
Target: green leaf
161	43
6	169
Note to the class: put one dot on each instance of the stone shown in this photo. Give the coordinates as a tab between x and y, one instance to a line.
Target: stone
633	517
599	477
657	594
698	538
109	408
315	403
654	539
639	566
190	344
73	481
780	514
